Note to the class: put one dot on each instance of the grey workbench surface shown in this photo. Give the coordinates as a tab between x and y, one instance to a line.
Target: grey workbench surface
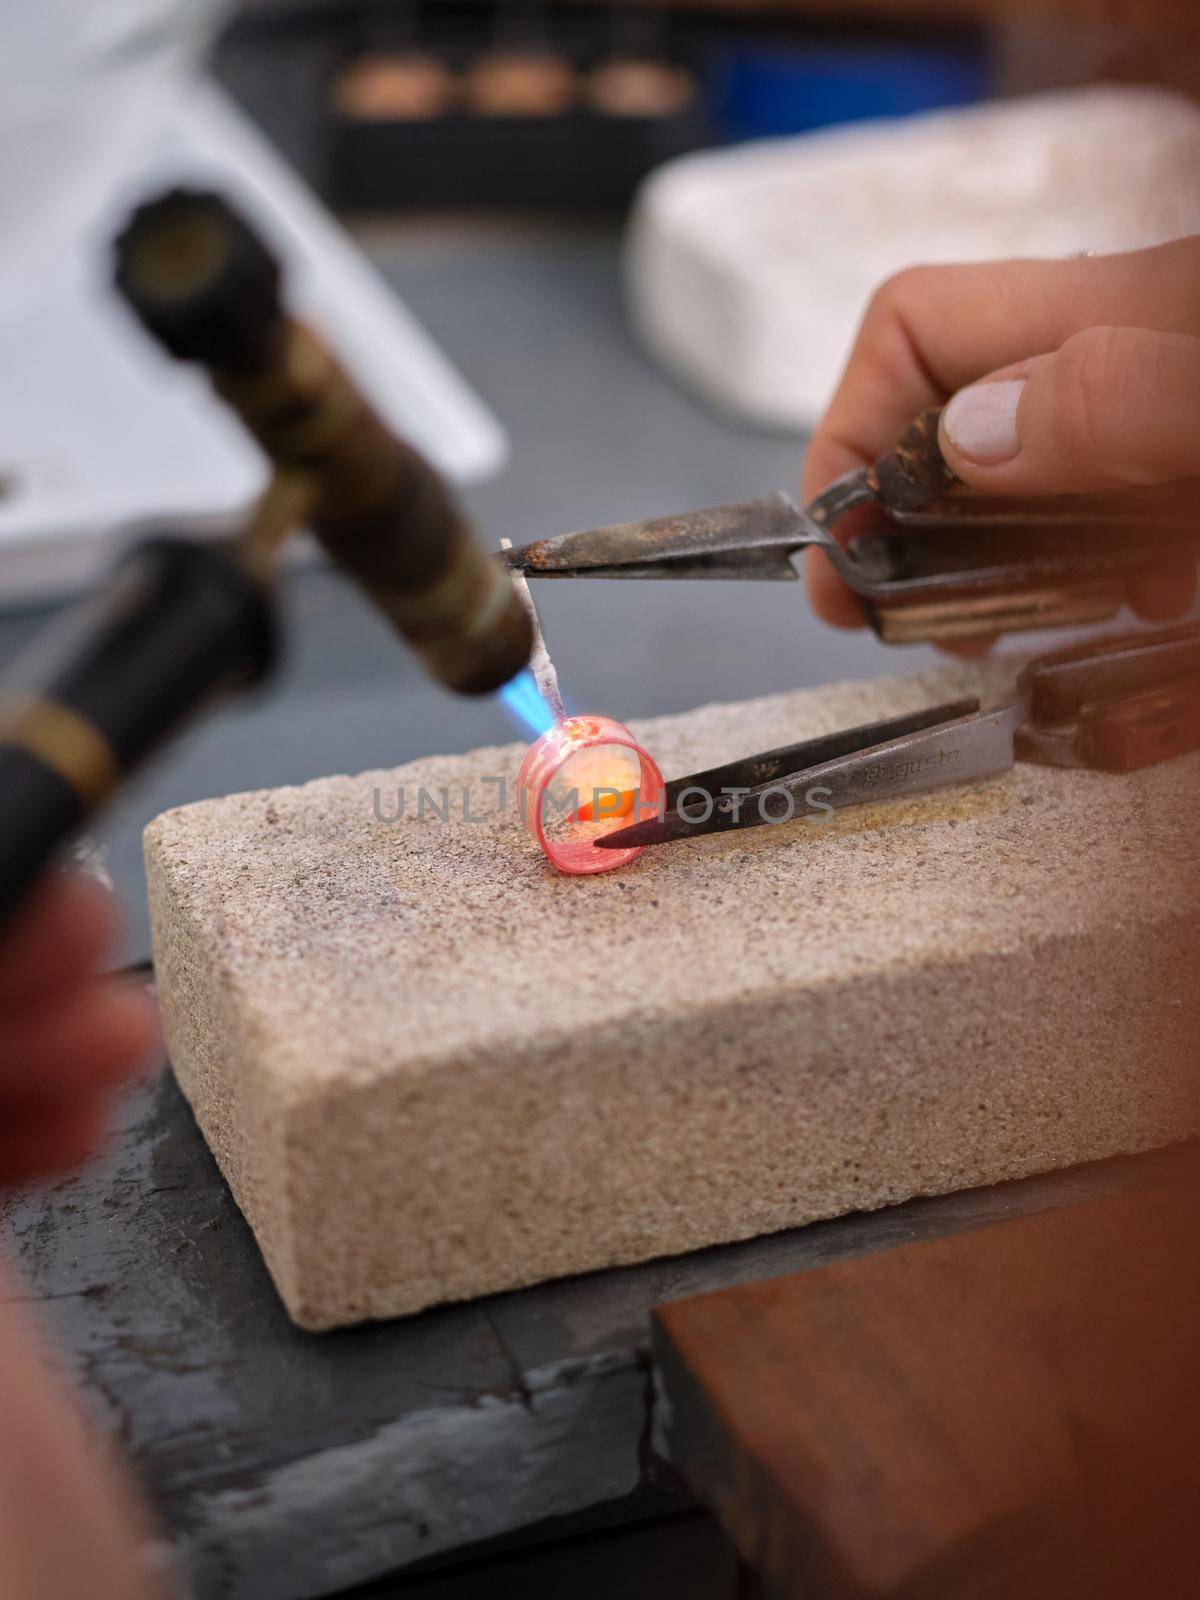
532	316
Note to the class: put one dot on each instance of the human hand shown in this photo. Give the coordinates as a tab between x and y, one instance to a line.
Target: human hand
69	1038
1060	376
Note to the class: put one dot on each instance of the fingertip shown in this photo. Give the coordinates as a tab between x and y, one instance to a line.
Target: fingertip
101	1035
83	1136
66	929
71	898
128	1030
39	1147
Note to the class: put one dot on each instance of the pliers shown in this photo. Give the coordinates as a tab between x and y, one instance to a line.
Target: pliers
1112	704
942	563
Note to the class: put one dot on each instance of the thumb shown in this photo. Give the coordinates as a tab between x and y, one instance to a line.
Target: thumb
1113	408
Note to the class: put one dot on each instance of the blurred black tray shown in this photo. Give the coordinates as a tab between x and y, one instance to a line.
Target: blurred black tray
581	160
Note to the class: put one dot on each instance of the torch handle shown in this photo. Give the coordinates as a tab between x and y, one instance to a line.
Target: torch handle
178	623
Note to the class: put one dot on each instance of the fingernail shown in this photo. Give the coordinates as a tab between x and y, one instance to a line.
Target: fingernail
981	422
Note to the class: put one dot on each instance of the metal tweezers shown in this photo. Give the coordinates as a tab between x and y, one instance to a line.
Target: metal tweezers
940	562
1113	704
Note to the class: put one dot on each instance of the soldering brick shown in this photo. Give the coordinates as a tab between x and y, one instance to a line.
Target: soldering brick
431	1067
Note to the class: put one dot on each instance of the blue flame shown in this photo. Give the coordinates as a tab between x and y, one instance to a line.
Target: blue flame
524	701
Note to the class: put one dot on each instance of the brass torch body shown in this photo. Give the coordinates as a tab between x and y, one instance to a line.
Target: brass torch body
383	514
204	283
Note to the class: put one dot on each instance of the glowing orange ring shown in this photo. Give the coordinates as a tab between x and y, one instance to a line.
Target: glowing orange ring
548	755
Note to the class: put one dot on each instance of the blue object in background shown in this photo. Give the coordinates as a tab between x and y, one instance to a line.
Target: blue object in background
766	90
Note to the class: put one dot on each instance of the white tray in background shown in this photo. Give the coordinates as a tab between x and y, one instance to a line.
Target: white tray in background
99	429
748	269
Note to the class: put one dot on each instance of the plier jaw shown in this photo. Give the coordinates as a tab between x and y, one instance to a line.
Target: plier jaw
938	563
746	539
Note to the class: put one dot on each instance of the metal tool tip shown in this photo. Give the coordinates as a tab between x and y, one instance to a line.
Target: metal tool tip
637	836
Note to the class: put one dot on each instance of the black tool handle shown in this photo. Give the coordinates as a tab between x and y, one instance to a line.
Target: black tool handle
178	623
913	474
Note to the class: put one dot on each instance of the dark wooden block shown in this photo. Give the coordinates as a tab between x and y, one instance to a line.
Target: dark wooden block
1012	1412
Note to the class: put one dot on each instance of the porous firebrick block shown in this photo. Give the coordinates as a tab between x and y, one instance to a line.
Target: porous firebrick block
430	1067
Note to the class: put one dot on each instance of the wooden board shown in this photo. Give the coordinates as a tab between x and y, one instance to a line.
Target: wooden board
1009	1412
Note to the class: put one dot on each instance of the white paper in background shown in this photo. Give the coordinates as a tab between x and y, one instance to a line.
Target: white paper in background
99	429
748	270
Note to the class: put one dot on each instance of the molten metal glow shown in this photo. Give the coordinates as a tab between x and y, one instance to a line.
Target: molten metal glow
611	804
577	782
524	701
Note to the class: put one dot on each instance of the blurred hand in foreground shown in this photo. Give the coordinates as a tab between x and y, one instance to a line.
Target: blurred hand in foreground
69	1038
70	1523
